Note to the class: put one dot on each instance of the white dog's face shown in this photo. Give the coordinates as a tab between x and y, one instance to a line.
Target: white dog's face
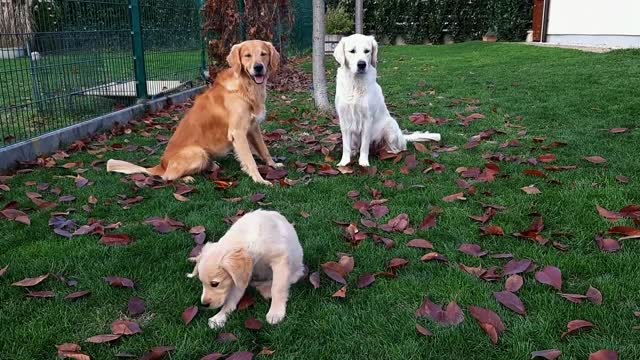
357	53
220	270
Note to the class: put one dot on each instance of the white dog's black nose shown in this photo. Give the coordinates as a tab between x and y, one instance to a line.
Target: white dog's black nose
258	68
204	303
362	65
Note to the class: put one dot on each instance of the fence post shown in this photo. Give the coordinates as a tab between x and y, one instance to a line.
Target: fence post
243	31
138	49
203	40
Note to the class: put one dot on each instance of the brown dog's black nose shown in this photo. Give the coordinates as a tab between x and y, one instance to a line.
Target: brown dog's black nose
362	65
258	68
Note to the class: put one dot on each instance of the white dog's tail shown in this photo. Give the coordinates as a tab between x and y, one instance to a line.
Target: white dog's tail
124	167
422	136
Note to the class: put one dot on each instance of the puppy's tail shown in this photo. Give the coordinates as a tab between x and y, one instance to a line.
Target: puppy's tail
124	167
422	136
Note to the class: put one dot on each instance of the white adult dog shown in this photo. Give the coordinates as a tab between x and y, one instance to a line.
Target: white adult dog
364	118
261	249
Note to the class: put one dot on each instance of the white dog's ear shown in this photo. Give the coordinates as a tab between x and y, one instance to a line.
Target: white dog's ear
239	265
338	53
374	52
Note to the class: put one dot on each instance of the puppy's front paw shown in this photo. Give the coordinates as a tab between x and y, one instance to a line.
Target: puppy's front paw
188	179
218	321
262	181
344	162
275	316
363	162
276	165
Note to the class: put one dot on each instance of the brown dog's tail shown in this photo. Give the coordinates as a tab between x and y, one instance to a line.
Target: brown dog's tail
124	167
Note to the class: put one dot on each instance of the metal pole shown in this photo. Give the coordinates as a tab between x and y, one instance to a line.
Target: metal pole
359	16
203	39
138	49
243	31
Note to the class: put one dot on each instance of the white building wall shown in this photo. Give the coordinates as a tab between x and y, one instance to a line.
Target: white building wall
613	23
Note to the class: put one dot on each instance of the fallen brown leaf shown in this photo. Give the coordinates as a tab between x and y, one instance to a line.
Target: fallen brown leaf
551	276
575	326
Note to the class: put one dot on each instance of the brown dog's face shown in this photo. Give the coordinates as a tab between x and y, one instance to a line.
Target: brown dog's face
220	270
254	58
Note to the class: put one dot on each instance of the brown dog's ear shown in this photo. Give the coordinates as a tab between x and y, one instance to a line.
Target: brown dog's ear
274	58
239	265
234	58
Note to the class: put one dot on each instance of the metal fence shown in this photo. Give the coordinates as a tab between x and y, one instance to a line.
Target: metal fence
65	61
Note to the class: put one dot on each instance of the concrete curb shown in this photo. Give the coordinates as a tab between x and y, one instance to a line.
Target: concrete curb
50	142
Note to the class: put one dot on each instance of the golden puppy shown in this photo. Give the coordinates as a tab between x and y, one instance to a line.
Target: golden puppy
261	248
227	116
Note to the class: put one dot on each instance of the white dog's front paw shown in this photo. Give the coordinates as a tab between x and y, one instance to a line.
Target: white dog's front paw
275	316
277	165
363	162
262	181
344	162
217	321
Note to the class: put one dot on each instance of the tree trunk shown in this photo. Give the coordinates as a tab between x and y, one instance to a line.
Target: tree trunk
319	78
359	17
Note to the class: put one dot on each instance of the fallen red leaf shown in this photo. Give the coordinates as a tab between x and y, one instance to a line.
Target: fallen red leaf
77	295
622	179
510	301
491	331
531	190
125	327
246	302
41	294
514	283
115	240
574	298
420	244
335	272
314	279
551	276
16	215
609	215
4	270
101	339
342	293
451	316
454	197
547	158
157	353
29	282
212	356
594	295
472	250
397	263
516	266
189	314
604	355
366	280
618	130
534	172
434	256
136	306
253	324
164	225
492	230
596	159
226	338
551	354
575	326
180	198
489	321
429	221
119	282
71	351
607	245
423	331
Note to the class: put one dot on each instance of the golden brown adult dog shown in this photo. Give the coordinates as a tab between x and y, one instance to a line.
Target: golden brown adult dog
227	116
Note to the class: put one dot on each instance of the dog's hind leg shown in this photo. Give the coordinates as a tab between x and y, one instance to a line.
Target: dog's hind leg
393	137
279	292
188	161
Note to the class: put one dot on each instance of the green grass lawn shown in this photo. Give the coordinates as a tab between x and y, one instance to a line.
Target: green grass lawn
525	92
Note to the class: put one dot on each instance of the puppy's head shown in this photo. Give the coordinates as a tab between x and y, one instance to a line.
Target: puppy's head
357	53
220	269
254	58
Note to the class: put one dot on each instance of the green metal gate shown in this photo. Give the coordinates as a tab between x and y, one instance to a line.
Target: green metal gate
71	60
66	61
